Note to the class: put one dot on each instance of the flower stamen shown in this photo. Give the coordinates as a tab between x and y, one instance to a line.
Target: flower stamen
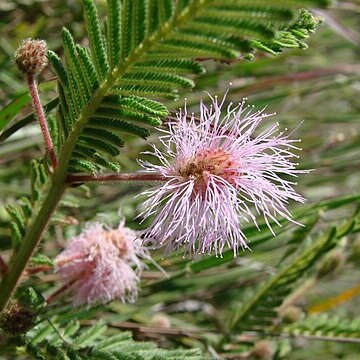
222	173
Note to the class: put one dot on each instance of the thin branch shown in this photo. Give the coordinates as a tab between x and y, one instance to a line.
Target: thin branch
298	294
156	330
37	269
270	82
28	119
342	339
78	179
60	291
58	333
41	117
346	32
222	60
245	336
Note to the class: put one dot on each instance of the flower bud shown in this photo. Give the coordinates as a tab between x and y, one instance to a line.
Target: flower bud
161	320
263	350
291	314
31	56
331	263
17	319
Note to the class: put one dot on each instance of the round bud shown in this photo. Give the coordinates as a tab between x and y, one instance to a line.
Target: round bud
263	350
291	314
161	320
331	263
17	319
31	56
249	56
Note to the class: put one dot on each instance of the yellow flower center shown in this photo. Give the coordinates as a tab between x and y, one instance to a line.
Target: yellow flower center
118	239
205	162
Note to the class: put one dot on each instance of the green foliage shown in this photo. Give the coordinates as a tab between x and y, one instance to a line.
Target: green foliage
29	297
9	111
290	37
26	208
75	342
260	310
148	48
21	212
101	117
96	40
324	325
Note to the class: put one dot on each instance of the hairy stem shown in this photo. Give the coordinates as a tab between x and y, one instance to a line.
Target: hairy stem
41	117
75	179
37	269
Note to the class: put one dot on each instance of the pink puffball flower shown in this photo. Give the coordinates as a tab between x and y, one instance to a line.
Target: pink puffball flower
102	264
219	173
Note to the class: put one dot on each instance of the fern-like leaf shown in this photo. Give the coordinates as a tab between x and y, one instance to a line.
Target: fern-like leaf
113	32
94	343
97	44
259	311
330	326
147	51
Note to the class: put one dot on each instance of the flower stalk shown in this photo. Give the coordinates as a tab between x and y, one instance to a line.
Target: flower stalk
60	292
37	269
34	93
76	179
31	60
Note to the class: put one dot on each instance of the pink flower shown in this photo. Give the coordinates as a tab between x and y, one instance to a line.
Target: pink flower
102	264
220	175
